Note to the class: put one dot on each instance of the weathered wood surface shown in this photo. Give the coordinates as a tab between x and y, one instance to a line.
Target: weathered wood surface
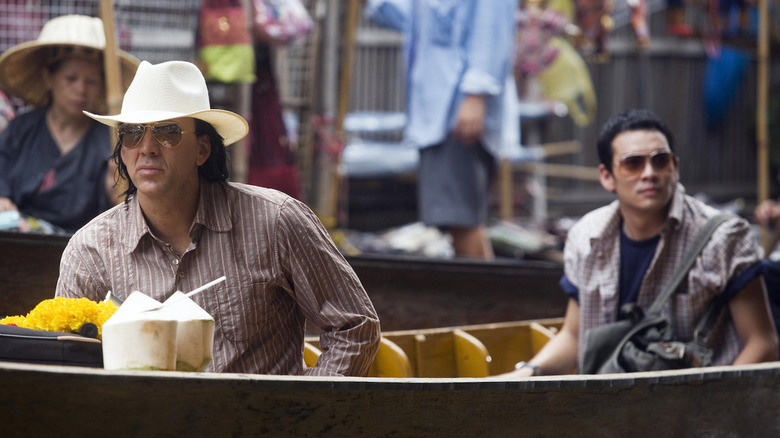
29	267
412	293
408	293
716	402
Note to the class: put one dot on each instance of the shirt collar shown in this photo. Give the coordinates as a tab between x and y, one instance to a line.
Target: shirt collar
137	227
213	213
214	210
611	227
677	209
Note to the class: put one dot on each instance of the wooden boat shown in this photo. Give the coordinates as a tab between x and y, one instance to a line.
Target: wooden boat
29	267
408	292
717	401
416	292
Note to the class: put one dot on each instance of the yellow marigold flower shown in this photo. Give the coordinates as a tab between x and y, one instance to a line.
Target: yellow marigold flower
68	315
13	320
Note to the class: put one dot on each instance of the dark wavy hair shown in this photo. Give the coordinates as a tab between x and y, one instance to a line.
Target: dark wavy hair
631	120
213	170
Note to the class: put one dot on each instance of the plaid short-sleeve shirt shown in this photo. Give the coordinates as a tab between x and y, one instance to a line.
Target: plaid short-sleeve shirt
592	264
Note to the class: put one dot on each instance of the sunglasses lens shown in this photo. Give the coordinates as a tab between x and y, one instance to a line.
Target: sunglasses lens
661	160
168	134
632	163
130	135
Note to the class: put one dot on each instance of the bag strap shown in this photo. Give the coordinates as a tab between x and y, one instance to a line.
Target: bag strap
707	321
688	259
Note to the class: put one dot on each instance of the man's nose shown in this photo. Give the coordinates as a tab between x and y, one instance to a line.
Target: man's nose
148	144
648	169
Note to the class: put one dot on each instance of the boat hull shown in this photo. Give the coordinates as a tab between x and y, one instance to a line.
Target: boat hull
721	401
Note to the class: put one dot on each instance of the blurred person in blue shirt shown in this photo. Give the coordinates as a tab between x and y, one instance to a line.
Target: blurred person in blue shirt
461	105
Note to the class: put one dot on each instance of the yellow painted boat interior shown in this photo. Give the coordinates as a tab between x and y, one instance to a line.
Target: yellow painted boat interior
467	351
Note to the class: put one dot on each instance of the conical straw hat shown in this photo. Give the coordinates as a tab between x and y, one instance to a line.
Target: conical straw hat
22	66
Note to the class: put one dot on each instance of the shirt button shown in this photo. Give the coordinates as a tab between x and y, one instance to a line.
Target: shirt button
175	261
181	274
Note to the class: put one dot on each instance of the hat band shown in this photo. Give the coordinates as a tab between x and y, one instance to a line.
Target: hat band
57	54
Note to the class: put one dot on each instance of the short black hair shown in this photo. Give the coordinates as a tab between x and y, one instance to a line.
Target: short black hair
631	120
213	170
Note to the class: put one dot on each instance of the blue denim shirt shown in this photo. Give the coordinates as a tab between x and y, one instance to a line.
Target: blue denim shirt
454	48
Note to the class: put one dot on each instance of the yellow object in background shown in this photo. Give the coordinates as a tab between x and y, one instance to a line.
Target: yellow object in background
568	80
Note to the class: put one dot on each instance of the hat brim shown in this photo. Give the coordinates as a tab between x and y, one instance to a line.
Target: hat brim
22	67
229	125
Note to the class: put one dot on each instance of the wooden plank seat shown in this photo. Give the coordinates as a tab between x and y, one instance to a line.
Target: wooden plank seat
471	356
467	351
390	361
310	354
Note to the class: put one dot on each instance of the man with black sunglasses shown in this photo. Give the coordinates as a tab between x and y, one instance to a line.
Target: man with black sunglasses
626	251
183	225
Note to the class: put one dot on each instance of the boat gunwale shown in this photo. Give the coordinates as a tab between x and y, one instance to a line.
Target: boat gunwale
498	266
497	383
34	239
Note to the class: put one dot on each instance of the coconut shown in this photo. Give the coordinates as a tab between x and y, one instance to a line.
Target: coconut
137	339
194	335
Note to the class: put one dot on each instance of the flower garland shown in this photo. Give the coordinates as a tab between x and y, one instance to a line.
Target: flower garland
65	315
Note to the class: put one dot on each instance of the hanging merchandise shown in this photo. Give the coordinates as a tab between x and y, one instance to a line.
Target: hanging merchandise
280	21
225	52
568	80
722	79
272	154
535	27
675	19
594	18
639	22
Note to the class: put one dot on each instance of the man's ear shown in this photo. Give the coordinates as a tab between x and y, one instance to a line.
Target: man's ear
204	149
606	178
676	169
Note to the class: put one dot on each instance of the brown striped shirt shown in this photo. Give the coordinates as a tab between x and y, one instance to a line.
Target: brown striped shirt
282	269
592	264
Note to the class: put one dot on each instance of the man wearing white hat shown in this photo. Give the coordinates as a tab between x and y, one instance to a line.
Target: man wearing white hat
183	225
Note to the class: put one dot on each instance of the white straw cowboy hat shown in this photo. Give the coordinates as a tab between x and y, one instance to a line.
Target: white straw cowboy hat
22	66
169	90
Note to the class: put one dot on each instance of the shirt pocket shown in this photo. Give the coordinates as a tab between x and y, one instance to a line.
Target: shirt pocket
240	315
442	22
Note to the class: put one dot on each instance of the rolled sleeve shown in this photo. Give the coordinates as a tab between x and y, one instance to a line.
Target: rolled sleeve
733	250
492	33
330	295
479	82
569	288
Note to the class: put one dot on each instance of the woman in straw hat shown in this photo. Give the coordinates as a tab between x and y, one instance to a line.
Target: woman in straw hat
53	159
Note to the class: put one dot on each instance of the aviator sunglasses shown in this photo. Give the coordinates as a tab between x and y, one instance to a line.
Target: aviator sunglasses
168	134
631	164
